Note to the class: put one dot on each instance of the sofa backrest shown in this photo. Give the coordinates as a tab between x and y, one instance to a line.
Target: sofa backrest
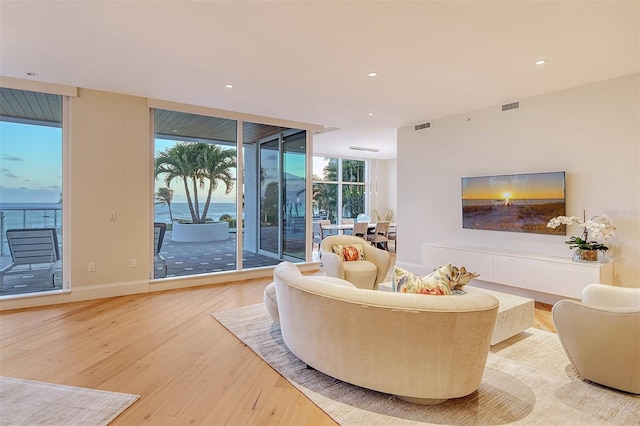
391	342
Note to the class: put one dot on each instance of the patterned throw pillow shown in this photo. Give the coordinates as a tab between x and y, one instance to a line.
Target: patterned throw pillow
437	283
349	252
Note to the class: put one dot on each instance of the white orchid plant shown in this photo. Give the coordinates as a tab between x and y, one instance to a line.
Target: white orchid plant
595	231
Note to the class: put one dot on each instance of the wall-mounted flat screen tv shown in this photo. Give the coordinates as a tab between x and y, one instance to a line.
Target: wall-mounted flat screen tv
514	203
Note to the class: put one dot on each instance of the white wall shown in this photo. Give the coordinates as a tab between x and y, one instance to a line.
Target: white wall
385	179
591	132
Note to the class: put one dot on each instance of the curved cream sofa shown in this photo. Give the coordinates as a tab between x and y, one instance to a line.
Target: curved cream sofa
424	349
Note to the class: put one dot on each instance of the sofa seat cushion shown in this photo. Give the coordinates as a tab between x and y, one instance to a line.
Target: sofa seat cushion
362	273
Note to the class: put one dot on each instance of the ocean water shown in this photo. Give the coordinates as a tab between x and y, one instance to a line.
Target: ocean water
44	215
181	211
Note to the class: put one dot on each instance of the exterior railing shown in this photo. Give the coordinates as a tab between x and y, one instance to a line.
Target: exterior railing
25	216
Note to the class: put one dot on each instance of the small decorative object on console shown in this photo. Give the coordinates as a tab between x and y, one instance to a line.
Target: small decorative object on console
595	232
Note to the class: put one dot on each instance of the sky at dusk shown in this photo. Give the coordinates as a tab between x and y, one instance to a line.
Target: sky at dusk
30	163
525	186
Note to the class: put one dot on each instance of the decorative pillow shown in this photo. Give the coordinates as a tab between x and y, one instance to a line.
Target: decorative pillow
349	252
461	277
437	283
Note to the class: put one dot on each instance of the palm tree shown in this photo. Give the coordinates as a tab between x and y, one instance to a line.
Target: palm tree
195	164
216	165
164	196
325	195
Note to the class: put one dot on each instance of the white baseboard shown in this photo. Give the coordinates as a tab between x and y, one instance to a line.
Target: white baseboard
76	294
101	291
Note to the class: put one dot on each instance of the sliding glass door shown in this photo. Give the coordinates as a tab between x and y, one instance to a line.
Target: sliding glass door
294	193
282	195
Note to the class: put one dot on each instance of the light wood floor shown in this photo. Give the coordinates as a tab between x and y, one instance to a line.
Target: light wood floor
165	347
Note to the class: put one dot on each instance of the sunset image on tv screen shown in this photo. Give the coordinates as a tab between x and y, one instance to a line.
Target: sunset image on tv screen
516	203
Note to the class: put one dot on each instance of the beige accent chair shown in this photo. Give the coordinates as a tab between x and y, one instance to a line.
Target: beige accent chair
367	273
424	349
601	335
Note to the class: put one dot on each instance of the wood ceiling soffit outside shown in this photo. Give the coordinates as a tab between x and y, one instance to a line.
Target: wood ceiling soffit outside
46	109
180	125
22	105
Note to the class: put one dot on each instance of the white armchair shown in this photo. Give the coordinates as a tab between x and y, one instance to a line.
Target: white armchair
366	273
601	335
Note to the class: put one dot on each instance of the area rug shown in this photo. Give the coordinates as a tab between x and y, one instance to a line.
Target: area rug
25	402
528	381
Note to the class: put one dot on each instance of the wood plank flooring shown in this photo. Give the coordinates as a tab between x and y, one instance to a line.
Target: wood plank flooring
167	348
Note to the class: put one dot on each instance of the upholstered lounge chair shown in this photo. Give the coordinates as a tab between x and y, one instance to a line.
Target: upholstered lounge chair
601	335
367	273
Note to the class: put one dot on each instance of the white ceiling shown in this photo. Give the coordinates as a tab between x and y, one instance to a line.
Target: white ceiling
308	61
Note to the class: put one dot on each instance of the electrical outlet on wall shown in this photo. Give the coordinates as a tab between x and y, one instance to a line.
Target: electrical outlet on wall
92	266
134	262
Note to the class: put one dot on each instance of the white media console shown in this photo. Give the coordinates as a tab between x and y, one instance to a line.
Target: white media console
542	274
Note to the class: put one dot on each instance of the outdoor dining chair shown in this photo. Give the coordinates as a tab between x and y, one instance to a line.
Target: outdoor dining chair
379	236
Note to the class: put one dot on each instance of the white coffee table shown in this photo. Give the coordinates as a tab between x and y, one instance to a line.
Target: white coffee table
515	313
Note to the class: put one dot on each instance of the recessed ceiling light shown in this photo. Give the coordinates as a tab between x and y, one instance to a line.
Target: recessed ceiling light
541	62
229	86
371	113
31	74
373	74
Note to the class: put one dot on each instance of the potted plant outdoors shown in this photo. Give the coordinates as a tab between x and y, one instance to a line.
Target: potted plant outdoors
594	233
200	166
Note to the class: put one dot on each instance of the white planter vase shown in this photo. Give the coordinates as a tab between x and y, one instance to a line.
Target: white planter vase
200	232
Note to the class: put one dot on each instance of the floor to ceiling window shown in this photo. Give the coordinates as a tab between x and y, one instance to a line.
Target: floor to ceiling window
195	193
339	188
196	161
31	192
275	191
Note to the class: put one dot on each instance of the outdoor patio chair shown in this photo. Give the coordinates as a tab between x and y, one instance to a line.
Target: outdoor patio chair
29	247
160	264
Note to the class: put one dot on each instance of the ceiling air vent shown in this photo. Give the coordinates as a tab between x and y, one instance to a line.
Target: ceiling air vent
512	105
422	126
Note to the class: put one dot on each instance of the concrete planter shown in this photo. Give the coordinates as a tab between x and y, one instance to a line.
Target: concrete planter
200	232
